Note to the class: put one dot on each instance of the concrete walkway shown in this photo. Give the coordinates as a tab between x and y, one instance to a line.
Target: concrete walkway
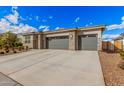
53	67
6	81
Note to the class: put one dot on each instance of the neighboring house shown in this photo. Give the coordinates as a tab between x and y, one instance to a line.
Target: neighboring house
28	39
119	42
114	45
83	38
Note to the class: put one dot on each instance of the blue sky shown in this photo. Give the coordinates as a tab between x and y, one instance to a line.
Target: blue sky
24	19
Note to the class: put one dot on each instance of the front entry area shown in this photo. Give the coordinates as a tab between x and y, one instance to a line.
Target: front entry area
87	42
59	42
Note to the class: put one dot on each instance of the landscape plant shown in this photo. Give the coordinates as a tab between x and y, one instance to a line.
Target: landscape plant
9	42
121	64
122	55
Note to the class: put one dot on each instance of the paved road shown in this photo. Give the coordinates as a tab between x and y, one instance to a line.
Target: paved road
53	67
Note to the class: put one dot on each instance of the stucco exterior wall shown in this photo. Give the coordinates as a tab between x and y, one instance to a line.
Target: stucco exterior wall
40	42
58	34
22	40
30	45
72	40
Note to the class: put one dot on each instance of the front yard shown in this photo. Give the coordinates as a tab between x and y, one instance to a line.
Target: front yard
113	74
11	44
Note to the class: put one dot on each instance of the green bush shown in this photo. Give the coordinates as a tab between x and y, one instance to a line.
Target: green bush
20	48
17	44
122	54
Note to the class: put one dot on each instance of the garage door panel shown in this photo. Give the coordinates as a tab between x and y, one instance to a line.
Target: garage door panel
88	42
58	43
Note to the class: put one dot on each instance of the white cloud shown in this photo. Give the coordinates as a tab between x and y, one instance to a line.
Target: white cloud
11	23
50	17
57	28
37	17
26	28
91	23
22	18
14	7
4	25
122	18
30	18
109	36
13	18
44	28
77	19
116	26
86	25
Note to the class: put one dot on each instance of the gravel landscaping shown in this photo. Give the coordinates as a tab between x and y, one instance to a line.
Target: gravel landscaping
113	75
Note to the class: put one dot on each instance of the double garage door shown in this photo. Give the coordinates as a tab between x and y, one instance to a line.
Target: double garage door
60	42
85	42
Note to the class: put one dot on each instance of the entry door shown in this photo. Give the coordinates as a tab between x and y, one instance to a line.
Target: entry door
60	42
88	42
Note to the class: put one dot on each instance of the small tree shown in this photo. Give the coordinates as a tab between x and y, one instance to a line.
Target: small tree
9	39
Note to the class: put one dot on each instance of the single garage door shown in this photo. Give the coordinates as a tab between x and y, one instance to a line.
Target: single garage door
88	42
60	42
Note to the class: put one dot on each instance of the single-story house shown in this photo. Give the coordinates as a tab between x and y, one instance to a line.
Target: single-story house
82	38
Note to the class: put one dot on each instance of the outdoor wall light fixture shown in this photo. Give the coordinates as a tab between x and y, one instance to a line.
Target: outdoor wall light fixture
71	36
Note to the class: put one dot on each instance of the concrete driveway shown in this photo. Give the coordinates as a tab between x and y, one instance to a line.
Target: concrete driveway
53	67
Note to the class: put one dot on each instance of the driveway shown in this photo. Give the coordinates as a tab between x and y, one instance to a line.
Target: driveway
53	67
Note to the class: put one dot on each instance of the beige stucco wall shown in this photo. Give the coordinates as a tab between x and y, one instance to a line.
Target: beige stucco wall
57	34
73	38
40	43
22	40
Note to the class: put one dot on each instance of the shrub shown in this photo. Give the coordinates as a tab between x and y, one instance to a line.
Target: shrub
1	52
17	44
20	48
122	54
121	65
6	49
14	52
26	47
